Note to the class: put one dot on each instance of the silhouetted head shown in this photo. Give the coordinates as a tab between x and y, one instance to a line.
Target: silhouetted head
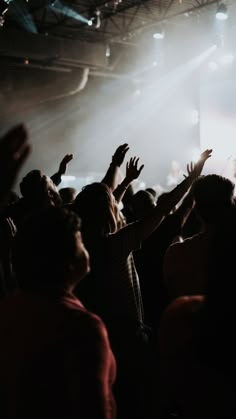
68	195
39	189
49	255
152	192
214	197
141	204
96	206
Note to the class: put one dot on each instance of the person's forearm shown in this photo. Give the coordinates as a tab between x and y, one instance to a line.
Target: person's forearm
185	209
121	189
148	224
111	176
56	178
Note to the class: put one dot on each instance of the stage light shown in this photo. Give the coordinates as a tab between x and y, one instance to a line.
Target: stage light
95	19
159	35
2	16
68	178
222	12
108	51
213	66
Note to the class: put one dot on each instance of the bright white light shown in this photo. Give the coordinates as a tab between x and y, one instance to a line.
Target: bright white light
137	93
195	117
227	59
142	185
221	16
159	35
90	22
68	178
108	51
196	153
213	66
222	13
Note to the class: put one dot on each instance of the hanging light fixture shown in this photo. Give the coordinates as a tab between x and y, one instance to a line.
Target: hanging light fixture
222	12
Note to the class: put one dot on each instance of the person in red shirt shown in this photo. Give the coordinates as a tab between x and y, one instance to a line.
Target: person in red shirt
55	356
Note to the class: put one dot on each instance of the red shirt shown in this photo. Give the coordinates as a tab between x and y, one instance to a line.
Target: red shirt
55	360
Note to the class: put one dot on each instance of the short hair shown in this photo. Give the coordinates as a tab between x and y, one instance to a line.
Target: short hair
68	195
142	203
45	247
213	195
30	183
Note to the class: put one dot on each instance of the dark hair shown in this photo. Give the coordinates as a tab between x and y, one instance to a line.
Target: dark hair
213	195
45	247
30	184
142	203
67	195
94	205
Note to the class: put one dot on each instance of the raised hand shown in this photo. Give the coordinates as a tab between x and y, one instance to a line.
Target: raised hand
14	150
195	169
132	170
64	162
119	155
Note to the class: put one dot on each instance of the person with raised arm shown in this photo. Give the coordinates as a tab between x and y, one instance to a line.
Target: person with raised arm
112	289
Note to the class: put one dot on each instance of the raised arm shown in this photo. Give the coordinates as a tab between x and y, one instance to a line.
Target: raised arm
111	176
132	173
185	208
148	224
56	178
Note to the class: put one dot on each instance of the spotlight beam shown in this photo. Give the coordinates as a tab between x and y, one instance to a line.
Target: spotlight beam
67	11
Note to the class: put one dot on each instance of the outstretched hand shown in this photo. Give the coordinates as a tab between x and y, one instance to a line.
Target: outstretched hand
195	169
132	170
64	162
119	155
14	150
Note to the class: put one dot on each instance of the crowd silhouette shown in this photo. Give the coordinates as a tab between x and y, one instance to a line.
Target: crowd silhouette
115	304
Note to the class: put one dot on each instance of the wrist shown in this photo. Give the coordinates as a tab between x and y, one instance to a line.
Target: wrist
126	182
114	164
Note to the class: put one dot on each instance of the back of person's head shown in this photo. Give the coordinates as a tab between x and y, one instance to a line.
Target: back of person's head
68	195
38	189
141	204
95	205
48	250
31	184
214	197
152	192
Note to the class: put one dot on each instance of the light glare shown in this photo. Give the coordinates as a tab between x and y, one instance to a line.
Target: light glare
227	59
213	66
158	35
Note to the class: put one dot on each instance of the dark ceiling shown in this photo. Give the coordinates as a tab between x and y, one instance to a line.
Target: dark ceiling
54	35
120	20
